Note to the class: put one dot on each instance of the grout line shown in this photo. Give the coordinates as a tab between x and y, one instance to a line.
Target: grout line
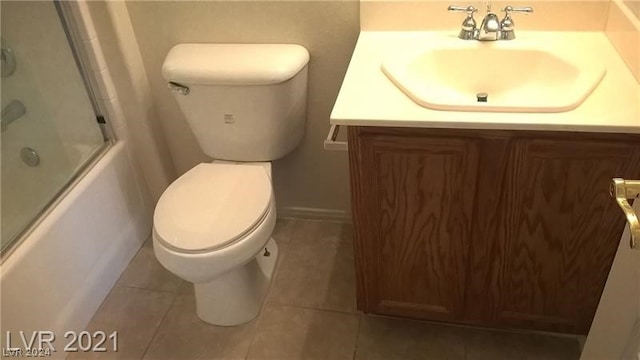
255	332
267	295
262	307
176	292
355	346
173	301
343	312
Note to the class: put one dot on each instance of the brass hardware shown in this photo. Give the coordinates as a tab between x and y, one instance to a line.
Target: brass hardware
622	190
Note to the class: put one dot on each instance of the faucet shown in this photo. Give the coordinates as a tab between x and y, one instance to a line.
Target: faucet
12	112
491	28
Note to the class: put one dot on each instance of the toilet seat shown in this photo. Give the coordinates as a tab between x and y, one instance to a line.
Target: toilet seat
212	206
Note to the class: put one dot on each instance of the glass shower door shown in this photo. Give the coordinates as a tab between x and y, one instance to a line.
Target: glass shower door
48	123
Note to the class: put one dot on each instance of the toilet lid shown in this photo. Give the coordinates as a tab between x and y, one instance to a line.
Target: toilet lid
212	205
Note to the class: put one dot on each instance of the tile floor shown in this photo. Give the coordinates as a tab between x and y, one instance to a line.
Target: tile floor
310	313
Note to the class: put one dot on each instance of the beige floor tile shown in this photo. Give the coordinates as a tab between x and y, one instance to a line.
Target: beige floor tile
315	271
492	345
497	345
543	347
135	314
316	267
282	231
182	335
388	339
145	272
285	332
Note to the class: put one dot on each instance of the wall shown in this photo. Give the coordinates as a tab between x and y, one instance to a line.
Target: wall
572	15
634	6
309	181
623	30
128	92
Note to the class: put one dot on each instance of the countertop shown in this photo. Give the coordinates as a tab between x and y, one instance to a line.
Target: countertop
368	98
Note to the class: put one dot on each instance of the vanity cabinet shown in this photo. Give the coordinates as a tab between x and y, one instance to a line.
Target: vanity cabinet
494	228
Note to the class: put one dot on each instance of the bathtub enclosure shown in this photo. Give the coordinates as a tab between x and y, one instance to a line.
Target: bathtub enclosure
74	206
49	127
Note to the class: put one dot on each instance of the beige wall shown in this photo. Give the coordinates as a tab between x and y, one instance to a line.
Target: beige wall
551	15
308	178
125	92
623	30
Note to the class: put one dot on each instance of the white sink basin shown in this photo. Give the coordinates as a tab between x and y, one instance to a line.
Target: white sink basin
517	77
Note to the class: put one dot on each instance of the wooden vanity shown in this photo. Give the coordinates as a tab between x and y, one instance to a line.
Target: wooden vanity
493	228
490	218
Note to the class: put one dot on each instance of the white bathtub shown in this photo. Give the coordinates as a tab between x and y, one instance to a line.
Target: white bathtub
25	190
60	273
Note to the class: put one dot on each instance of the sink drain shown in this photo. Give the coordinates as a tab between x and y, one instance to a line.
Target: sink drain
482	97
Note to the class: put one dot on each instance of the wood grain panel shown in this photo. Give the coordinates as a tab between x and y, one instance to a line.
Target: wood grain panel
421	206
494	228
558	233
483	253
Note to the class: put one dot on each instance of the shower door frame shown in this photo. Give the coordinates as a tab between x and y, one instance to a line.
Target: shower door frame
80	56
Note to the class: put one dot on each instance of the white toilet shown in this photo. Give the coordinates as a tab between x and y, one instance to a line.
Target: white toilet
246	105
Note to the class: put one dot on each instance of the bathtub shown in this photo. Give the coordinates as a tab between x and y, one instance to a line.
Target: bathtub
60	273
25	190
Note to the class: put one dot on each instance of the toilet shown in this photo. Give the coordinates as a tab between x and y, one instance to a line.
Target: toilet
246	105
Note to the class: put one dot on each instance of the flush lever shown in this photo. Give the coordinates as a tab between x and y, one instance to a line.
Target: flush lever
622	190
179	88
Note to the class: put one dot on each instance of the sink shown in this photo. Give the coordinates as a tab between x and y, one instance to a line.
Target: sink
516	77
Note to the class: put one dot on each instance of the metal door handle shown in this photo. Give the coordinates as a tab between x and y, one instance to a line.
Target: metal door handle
622	190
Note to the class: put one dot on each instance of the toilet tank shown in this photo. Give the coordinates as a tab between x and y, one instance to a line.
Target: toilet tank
244	102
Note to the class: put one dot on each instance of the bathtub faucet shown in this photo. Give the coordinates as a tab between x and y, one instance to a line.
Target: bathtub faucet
12	112
491	28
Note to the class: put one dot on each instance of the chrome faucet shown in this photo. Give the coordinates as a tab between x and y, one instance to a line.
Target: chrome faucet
12	112
491	28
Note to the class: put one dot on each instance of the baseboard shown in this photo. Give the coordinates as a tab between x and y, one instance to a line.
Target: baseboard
294	212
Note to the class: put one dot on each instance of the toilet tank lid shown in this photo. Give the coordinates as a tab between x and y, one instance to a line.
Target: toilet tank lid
234	64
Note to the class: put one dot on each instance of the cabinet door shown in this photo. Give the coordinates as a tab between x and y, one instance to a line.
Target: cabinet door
557	233
413	199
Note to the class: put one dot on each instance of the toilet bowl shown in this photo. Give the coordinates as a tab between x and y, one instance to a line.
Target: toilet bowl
213	227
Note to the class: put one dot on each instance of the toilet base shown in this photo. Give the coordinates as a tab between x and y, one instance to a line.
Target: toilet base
236	297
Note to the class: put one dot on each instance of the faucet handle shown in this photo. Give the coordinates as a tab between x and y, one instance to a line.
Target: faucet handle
507	24
470	10
510	9
469	26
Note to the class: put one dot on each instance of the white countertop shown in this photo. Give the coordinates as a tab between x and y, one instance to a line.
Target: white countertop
368	98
